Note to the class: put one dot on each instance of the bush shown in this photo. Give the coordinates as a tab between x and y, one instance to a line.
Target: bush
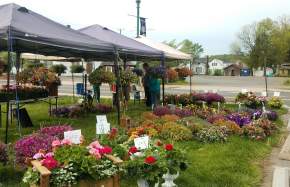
3	153
100	75
58	69
75	68
212	134
183	72
218	72
103	108
175	132
254	132
231	127
28	146
172	75
275	102
55	131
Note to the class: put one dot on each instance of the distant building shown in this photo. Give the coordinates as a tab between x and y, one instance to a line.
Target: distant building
217	65
232	70
199	66
259	72
284	70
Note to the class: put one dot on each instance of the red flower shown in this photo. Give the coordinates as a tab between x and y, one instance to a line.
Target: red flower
133	150
50	163
169	147
106	150
150	160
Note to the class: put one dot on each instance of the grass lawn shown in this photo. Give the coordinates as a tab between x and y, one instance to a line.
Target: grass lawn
235	163
178	82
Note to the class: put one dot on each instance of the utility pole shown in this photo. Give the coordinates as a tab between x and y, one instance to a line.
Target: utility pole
138	16
265	72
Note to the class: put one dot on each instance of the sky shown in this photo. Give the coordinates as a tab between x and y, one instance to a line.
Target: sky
212	23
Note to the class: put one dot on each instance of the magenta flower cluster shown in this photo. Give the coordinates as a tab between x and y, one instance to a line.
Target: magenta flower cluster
163	110
56	131
3	153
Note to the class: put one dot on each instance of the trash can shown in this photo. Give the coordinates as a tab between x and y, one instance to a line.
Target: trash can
80	88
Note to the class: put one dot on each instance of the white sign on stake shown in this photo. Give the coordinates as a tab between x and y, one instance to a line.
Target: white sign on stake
102	128
142	142
102	119
264	94
276	94
74	136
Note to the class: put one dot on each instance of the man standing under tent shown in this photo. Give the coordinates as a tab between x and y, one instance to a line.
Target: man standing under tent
146	84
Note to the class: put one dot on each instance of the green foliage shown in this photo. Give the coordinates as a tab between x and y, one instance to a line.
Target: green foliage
195	49
75	68
275	102
29	65
212	134
174	131
218	72
31	176
100	75
65	176
58	69
73	154
128	77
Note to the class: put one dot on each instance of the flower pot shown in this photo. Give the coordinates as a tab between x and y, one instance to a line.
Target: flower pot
125	122
169	179
52	90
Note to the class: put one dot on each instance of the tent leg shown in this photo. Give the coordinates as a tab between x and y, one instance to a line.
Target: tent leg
190	67
117	73
163	79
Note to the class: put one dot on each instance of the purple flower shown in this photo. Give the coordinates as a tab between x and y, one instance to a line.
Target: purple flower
161	110
240	119
55	131
28	146
182	112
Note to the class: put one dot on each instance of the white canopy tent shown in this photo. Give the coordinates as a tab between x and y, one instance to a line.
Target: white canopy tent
169	52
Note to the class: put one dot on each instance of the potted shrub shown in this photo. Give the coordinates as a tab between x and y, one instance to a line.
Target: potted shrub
71	164
58	69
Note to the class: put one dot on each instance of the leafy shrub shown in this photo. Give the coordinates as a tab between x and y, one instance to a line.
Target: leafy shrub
183	72
128	77
100	75
28	146
55	131
172	75
103	108
218	72
266	125
75	68
232	127
170	118
3	153
58	69
212	134
161	110
275	102
254	132
175	132
149	116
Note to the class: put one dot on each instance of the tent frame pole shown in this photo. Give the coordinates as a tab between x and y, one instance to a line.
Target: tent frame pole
9	45
163	78
117	72
190	76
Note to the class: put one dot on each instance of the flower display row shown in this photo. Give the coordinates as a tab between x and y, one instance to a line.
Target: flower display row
23	93
193	98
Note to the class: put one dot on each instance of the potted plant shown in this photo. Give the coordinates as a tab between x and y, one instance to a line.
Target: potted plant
71	164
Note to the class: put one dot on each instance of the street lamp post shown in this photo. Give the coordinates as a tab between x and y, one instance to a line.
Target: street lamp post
138	16
265	74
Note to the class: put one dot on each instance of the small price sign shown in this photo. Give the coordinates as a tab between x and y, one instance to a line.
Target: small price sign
142	142
102	126
74	136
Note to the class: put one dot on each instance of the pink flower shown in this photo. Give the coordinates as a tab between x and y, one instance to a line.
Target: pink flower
66	142
50	154
95	153
56	143
106	150
38	156
95	145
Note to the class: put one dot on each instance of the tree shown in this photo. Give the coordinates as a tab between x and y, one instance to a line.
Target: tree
58	69
75	68
187	46
172	43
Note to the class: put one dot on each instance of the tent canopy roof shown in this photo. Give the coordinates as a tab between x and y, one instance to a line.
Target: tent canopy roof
169	52
34	33
128	45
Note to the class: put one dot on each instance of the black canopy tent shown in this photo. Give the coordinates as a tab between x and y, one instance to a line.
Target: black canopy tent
22	30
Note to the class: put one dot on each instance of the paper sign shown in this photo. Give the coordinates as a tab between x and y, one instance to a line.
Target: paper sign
276	94
244	90
102	119
142	142
74	136
103	128
264	94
